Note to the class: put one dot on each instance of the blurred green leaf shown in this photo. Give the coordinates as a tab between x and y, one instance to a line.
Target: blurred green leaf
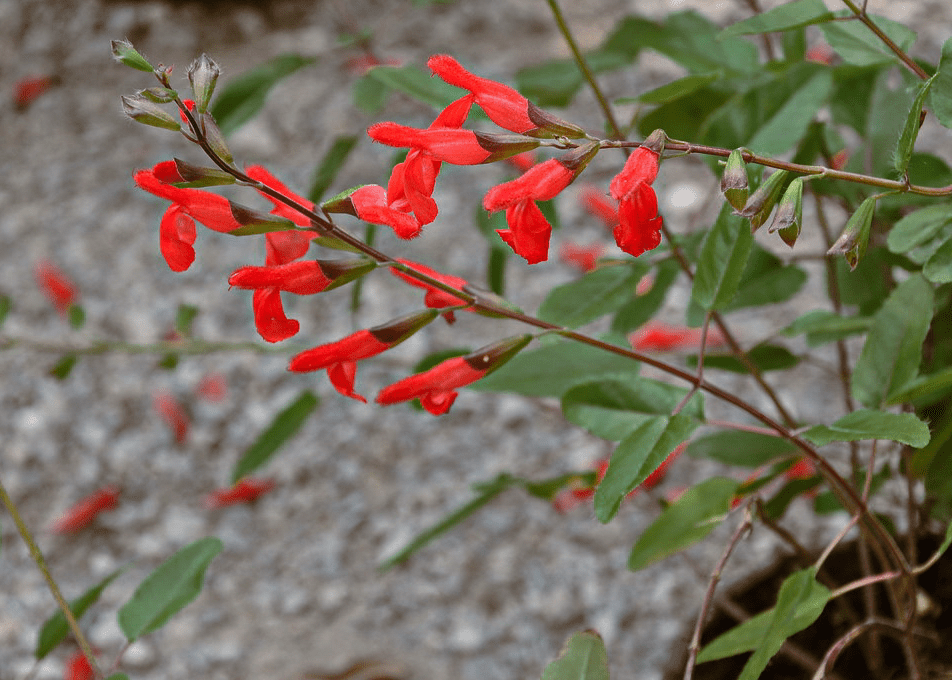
284	426
766	280
596	294
858	45
62	368
330	165
689	519
641	308
723	259
242	97
184	317
789	124
77	316
582	658
6	304
765	357
55	629
941	96
416	83
893	349
822	326
736	447
677	89
790	15
898	427
168	589
637	456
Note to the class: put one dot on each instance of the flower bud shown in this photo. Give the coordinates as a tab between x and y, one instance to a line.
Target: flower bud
396	331
758	206
342	272
548	125
196	176
125	53
203	74
855	237
789	217
655	141
141	110
734	180
214	137
491	357
255	222
501	146
576	159
159	95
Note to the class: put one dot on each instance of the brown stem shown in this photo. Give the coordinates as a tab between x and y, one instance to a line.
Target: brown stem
887	41
764	37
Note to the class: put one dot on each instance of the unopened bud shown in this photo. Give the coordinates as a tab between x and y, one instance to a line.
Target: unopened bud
491	357
789	217
159	95
761	202
734	180
196	176
398	330
502	146
576	159
655	141
342	272
853	241
256	222
341	203
203	74
141	110
214	137
125	53
552	126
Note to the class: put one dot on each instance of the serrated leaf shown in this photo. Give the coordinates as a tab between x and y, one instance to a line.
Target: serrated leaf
782	131
596	294
893	349
783	18
749	635
637	456
486	493
284	426
941	96
910	131
611	409
55	629
242	97
549	371
800	602
582	658
685	522
330	165
168	589
863	424
723	259
858	45
735	447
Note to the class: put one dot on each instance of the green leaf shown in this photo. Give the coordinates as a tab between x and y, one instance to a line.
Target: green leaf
910	131
750	634
284	426
863	424
6	304
118	676
783	18
168	589
925	390
62	368
582	658
685	522
55	629
675	90
693	40
893	349
789	124
766	281
736	447
822	326
416	83
487	491
596	294
800	602
330	165
611	409
938	267
641	308
637	456
723	258
243	96
764	356
77	316
858	45
890	103
184	316
549	371
941	96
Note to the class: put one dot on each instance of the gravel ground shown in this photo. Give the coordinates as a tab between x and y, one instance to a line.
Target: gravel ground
296	587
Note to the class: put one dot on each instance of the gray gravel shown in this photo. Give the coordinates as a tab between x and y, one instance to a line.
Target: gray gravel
296	587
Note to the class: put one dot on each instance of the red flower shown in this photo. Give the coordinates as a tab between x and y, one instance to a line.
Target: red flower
802	469
370	204
177	238
655	478
529	231
453	145
78	668
522	161
212	387
27	90
598	204
340	358
86	510
434	298
437	388
583	257
261	174
304	277
245	490
173	413
58	288
820	54
656	336
270	320
639	227
504	106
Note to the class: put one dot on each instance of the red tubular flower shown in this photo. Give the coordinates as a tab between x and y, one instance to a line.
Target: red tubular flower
661	337
583	257
434	298
86	510
802	469
655	478
78	668
261	174
173	413
639	227
459	147
245	490
210	209
437	388
304	277
340	358
529	231
55	284
177	238
370	204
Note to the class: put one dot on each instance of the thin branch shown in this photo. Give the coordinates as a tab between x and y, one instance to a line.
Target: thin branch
887	41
